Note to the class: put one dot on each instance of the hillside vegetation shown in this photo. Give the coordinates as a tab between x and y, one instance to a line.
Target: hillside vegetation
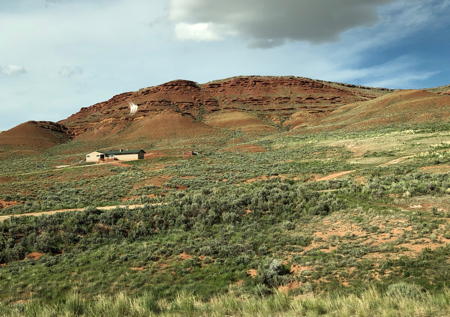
402	300
331	223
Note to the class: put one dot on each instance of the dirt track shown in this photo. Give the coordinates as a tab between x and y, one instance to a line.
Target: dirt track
339	174
397	161
334	175
52	212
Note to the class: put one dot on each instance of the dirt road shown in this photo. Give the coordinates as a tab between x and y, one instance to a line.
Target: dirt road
334	176
397	161
52	212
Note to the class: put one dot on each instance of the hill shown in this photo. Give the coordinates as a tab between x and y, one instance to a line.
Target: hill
400	107
443	90
252	103
34	136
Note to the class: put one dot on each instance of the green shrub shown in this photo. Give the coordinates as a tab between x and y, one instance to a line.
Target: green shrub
403	289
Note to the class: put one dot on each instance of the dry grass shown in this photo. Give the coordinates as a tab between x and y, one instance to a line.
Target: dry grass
402	300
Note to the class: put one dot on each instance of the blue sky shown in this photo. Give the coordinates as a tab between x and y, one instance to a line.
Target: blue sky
57	56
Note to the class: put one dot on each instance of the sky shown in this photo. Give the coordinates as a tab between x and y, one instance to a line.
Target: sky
57	56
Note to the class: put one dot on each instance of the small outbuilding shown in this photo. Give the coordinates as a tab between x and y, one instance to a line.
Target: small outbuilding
115	155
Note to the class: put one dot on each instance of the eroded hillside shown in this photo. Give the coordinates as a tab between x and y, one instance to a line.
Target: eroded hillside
268	100
34	135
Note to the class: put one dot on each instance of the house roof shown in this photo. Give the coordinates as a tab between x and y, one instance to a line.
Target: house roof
123	152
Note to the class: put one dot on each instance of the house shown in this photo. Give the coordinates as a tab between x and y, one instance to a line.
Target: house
115	155
95	157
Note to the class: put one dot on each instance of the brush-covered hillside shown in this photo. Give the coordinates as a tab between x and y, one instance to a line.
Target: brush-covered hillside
343	212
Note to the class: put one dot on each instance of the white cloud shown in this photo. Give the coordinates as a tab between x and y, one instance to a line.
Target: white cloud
405	79
196	32
12	70
70	71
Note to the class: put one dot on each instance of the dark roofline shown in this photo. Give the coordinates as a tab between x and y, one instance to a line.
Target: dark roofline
122	152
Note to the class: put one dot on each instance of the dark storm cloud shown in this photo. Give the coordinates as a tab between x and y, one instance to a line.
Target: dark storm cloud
268	23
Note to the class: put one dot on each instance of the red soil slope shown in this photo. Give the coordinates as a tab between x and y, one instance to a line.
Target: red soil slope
35	135
238	120
407	106
167	124
273	98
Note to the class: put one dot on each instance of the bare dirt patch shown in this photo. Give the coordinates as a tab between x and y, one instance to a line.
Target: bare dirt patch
377	256
415	249
238	283
157	181
357	150
444	168
295	269
185	256
151	196
163	265
332	230
35	255
6	179
6	204
333	176
361	180
252	273
290	286
154	154
388	237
